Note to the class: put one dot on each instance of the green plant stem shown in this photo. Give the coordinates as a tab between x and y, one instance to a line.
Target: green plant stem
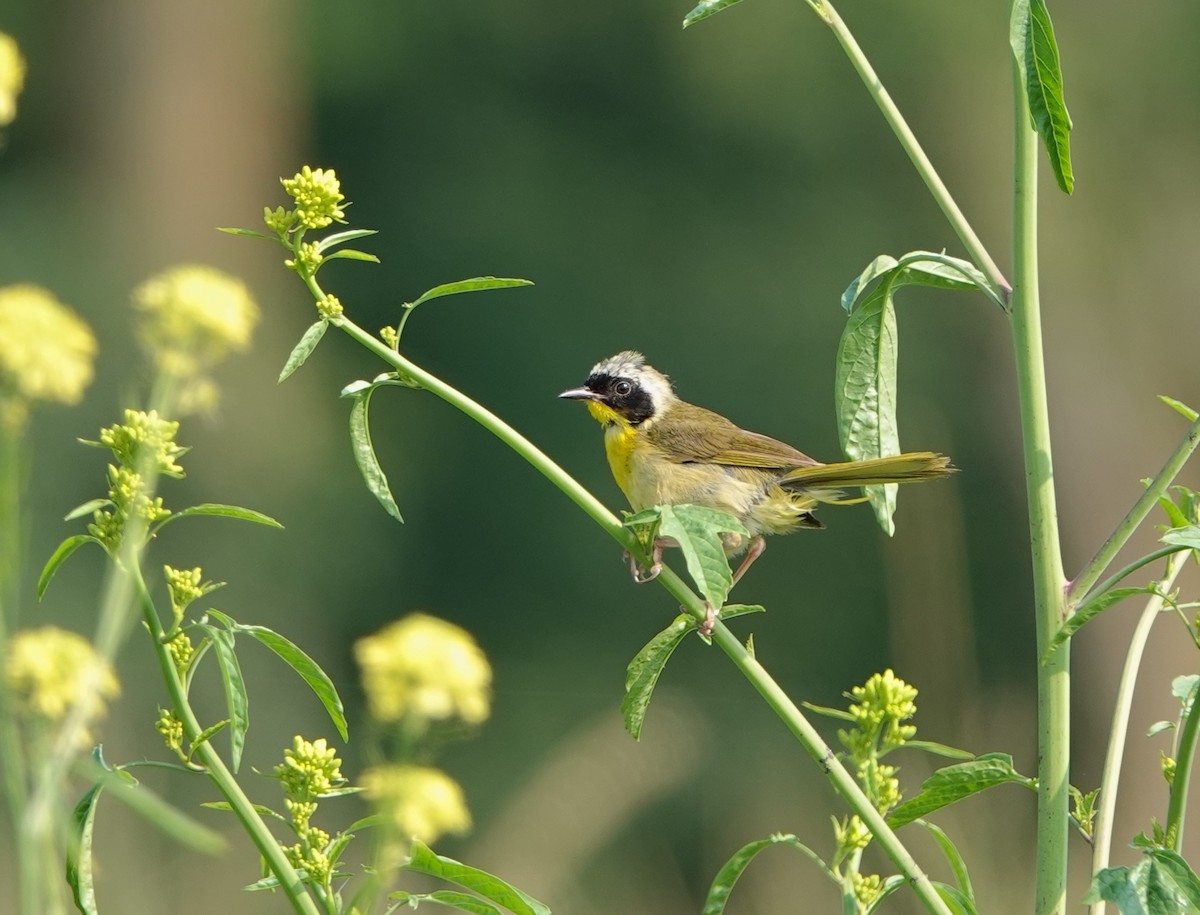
908	140
1054	679
776	698
243	809
1137	514
1113	580
1114	757
1185	754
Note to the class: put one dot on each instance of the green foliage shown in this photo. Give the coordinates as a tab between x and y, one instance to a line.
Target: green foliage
364	449
1031	35
302	350
706	8
958	782
489	886
731	870
1162	882
697	532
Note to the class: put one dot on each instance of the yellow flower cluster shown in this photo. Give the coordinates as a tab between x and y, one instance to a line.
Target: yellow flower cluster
881	704
309	769
145	435
49	669
46	352
424	668
12	78
419	802
318	195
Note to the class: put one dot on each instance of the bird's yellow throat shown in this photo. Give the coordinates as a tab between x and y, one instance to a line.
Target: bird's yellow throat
620	437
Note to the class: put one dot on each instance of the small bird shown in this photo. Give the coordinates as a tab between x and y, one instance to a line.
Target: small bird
665	451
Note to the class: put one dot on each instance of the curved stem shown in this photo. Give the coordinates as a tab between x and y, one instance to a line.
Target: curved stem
1115	578
776	698
1114	756
908	140
1185	753
1054	678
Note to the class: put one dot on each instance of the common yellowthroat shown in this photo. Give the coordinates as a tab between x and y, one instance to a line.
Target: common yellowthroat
666	451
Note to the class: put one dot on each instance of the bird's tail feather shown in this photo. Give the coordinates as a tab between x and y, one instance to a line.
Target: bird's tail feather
899	468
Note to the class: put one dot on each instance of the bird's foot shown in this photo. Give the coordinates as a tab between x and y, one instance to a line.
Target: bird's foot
641	574
710	619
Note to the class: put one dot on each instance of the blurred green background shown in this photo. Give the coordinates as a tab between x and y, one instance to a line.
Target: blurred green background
704	196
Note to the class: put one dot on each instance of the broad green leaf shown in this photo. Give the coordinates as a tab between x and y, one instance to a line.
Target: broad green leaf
489	886
64	551
1174	513
1180	407
705	9
302	350
1188	536
475	284
920	268
217	510
249	233
337	238
235	691
364	453
731	870
353	255
87	508
954	783
1031	35
1088	612
957	865
1161	883
697	530
79	852
308	669
1184	688
643	671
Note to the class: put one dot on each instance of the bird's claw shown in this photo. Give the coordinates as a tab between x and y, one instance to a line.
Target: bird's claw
710	619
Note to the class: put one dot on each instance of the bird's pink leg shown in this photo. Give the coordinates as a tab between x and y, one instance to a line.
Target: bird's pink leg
757	547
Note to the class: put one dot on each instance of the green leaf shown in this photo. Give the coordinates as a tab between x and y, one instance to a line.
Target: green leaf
705	9
938	749
208	734
954	783
1089	611
61	555
260	809
364	453
353	255
697	530
731	870
249	233
489	886
1031	35
308	669
1184	688
1162	882
338	238
1159	726
643	671
235	691
957	865
475	284
730	611
217	510
302	350
890	885
1188	536
79	852
958	902
87	508
461	901
1180	407
828	711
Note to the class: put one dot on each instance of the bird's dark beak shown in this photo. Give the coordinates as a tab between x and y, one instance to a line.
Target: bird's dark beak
580	394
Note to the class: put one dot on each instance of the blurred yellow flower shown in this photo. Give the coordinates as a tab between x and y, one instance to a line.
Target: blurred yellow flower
420	803
48	669
46	352
424	668
12	78
192	318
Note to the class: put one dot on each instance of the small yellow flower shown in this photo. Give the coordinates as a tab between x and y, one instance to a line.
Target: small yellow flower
143	435
46	352
48	669
171	729
318	196
420	803
192	318
12	78
425	668
866	889
309	769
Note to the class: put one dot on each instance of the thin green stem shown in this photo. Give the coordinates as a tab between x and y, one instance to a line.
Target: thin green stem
1185	754
1137	514
908	141
1054	683
216	769
1112	580
1114	757
776	698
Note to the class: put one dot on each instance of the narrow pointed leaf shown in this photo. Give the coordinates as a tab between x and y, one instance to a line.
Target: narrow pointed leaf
338	238
308	669
697	530
957	865
464	902
218	510
1088	612
364	454
938	749
643	672
236	697
248	233
705	9
87	508
1188	536
953	783
958	902
731	870
61	555
79	852
731	611
475	284
302	350
353	255
489	886
1031	35
1180	407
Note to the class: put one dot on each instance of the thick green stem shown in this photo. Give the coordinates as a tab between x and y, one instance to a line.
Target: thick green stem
776	698
1054	683
215	767
1141	508
908	140
1185	755
1111	778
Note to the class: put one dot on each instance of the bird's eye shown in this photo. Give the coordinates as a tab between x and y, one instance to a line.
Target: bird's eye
622	388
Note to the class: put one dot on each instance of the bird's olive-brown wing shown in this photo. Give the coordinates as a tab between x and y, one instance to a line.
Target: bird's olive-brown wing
691	434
